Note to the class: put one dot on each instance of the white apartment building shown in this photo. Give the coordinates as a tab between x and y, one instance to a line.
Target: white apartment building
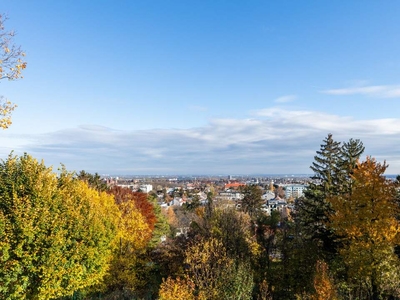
145	188
294	190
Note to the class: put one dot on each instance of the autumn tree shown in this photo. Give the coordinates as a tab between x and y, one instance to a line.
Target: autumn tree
333	165
323	283
215	274
366	225
135	227
140	201
57	234
234	230
177	289
11	65
133	235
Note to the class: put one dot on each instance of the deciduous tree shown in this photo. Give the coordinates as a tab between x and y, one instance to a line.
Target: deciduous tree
365	222
215	274
56	233
134	234
323	283
123	195
11	65
177	289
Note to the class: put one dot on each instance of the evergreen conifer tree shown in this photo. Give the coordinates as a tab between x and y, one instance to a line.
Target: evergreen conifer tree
313	208
350	153
332	166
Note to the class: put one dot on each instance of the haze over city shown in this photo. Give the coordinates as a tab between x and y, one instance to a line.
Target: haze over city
206	87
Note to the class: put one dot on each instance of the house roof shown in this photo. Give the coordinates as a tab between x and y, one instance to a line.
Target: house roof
234	185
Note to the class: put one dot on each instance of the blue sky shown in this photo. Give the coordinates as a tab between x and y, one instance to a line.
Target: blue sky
195	87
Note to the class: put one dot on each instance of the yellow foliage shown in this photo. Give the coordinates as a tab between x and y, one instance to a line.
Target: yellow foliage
133	228
200	211
365	219
207	261
176	289
57	233
132	238
6	108
171	217
11	66
215	274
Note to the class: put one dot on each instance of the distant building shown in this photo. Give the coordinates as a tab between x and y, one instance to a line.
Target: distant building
294	190
234	185
276	204
229	195
146	188
132	187
268	195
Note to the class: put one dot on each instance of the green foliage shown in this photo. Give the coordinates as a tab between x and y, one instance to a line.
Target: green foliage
195	203
252	201
313	207
161	227
290	265
56	233
234	230
58	236
332	166
215	274
93	180
350	153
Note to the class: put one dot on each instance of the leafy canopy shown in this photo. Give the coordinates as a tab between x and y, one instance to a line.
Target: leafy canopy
56	233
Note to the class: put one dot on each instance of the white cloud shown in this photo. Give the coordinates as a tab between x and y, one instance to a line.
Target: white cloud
378	91
274	141
285	99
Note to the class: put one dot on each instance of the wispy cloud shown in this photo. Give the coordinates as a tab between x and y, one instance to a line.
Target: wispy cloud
274	141
285	99
378	91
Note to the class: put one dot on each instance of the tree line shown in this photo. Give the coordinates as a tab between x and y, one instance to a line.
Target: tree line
69	236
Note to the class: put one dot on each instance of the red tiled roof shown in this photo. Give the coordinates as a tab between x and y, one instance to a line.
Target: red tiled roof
234	185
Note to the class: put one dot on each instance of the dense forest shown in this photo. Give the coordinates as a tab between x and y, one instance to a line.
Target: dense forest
70	236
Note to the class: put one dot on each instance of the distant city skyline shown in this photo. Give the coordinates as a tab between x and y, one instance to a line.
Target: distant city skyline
182	87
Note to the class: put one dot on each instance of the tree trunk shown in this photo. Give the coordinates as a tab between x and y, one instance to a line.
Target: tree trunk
375	293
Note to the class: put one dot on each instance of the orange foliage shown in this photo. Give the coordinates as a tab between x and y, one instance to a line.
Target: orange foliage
146	208
323	284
